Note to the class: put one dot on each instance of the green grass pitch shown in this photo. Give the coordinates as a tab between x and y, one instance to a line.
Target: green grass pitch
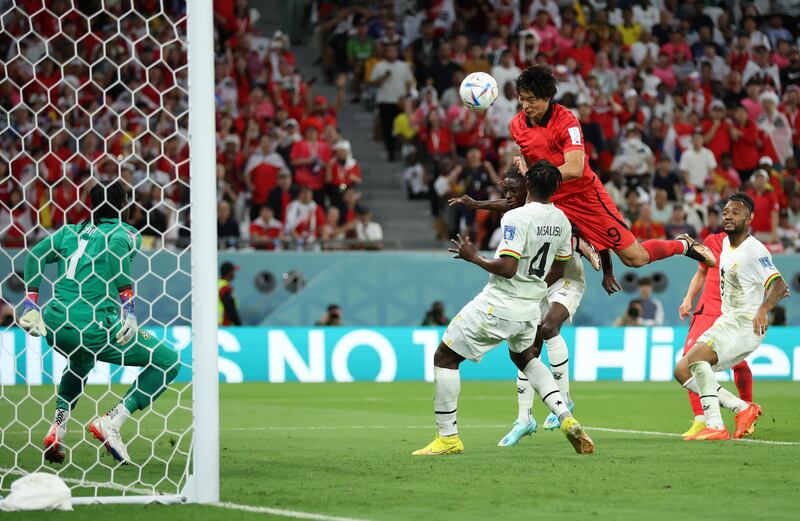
344	450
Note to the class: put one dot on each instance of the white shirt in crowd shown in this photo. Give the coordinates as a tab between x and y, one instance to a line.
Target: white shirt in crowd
698	164
504	74
640	49
647	18
634	157
372	231
500	115
396	85
780	132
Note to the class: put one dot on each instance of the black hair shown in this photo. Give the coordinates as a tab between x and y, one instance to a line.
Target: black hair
227	268
645	281
713	210
513	173
631	191
744	199
333	307
543	179
108	201
539	81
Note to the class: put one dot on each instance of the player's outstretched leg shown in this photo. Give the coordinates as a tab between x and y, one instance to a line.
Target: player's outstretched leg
639	254
161	366
524	425
447	387
541	379
80	363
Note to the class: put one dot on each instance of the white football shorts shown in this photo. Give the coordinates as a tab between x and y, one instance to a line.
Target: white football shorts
732	338
566	292
475	331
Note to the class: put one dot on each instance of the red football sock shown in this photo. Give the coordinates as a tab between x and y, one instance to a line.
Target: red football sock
743	378
697	407
659	249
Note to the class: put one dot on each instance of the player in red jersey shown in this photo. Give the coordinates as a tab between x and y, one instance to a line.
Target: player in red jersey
708	309
547	130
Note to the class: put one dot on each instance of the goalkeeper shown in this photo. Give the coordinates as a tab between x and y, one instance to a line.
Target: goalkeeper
92	317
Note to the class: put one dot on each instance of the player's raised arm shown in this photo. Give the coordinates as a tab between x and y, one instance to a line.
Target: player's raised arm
40	256
505	265
498	205
695	286
609	283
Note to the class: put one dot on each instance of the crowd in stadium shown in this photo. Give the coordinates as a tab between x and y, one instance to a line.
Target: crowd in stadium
681	104
94	98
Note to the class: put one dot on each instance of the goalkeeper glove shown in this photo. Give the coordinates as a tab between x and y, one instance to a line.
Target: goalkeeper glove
128	329
31	319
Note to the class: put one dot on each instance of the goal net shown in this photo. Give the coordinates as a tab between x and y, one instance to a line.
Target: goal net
98	92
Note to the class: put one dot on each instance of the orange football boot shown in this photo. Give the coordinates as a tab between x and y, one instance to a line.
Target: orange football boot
708	434
746	421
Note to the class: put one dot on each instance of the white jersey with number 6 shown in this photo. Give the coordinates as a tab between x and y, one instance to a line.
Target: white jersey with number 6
745	272
536	234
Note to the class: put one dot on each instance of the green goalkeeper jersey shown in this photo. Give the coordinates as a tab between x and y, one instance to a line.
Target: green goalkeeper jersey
94	262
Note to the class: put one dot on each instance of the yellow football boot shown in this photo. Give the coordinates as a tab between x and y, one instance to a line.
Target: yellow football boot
441	446
577	436
696	427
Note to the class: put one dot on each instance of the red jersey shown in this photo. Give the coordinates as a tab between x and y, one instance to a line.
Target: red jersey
557	133
710	302
766	204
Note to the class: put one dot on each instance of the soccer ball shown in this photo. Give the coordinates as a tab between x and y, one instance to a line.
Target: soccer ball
478	91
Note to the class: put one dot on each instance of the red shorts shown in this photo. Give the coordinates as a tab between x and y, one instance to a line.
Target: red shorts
596	216
698	326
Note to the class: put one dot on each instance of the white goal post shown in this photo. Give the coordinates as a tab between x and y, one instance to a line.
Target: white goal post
178	463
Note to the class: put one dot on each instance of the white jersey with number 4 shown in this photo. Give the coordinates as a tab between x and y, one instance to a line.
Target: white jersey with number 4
745	272
536	234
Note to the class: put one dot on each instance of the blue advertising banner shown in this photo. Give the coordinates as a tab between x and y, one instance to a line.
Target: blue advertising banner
260	354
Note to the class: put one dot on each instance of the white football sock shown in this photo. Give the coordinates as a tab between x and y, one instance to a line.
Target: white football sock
558	354
541	379
707	389
447	386
731	401
524	398
118	415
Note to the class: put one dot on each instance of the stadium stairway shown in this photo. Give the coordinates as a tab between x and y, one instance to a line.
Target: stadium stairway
406	224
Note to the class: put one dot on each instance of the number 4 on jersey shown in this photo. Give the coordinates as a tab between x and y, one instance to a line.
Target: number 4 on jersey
541	257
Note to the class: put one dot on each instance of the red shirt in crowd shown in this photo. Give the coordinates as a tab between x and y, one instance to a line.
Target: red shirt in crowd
766	203
745	151
311	175
721	142
344	174
264	234
438	140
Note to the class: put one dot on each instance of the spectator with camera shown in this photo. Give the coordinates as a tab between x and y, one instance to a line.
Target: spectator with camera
435	316
331	317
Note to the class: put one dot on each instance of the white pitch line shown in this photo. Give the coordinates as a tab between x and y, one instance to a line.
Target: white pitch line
284	513
673	434
479	426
